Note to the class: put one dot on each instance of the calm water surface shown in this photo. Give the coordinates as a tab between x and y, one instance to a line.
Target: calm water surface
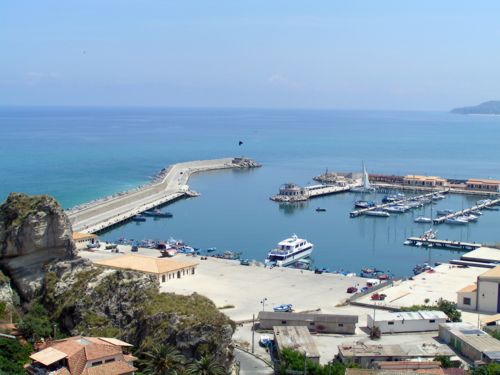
81	154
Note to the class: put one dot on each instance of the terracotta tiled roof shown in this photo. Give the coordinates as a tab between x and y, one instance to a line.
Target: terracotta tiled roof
111	368
129	358
493	273
468	289
48	356
95	351
144	263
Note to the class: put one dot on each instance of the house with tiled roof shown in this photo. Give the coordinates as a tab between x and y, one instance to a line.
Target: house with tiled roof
83	356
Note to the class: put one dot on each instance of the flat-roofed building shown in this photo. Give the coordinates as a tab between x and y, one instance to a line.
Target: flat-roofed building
387	179
164	269
484	185
367	355
324	323
82	239
297	338
411	321
483	296
470	341
425	181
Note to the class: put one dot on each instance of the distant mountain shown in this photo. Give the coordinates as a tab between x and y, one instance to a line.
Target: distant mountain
487	108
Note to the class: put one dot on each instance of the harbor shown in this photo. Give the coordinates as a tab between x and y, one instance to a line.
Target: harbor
112	211
481	205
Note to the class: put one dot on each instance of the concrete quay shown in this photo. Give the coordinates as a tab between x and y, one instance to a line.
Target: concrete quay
105	213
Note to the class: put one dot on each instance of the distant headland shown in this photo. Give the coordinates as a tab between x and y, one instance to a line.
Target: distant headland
487	108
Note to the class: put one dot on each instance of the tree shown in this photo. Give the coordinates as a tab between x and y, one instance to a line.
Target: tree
163	360
36	323
13	355
206	365
489	369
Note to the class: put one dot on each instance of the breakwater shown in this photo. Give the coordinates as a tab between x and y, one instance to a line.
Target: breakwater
170	185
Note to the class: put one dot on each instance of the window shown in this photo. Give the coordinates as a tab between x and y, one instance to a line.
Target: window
162	278
283	322
341	324
432	321
391	323
96	363
109	360
311	323
466	301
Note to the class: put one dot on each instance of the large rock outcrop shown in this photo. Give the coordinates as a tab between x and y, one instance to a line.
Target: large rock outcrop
91	300
34	230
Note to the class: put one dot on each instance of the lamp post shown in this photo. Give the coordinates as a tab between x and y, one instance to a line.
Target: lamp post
263	303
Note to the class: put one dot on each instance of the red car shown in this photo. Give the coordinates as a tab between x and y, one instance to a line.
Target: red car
352	289
378	297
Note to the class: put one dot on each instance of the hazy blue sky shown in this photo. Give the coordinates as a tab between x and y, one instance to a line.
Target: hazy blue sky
371	54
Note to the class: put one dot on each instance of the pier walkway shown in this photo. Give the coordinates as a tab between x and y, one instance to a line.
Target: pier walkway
106	213
362	211
443	244
477	207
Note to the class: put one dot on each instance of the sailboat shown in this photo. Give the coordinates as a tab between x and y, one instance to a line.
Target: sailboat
366	187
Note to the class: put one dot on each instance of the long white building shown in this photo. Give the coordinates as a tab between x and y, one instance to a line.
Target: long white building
411	321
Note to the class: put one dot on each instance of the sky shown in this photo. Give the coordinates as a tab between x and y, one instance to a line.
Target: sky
360	54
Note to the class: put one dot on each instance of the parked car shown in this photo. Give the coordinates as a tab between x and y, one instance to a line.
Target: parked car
134	249
378	297
265	340
352	289
283	308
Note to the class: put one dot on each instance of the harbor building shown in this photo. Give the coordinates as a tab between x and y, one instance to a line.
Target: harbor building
491	186
292	190
83	239
368	355
482	296
425	181
475	344
414	321
297	338
323	323
165	270
84	356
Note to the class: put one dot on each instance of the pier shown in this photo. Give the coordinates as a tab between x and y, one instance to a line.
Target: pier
443	244
362	211
477	207
111	211
290	192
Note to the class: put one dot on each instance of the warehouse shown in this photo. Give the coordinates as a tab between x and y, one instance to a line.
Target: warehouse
297	338
415	321
471	342
324	323
483	295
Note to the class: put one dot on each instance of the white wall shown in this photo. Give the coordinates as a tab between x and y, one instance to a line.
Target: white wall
488	296
460	300
417	325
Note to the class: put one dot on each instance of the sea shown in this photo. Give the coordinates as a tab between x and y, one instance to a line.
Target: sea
80	154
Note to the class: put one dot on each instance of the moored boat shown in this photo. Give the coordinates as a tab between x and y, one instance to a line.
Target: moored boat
456	220
364	204
138	218
422	219
289	251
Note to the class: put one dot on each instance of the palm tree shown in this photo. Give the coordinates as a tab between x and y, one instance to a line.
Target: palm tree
163	360
206	365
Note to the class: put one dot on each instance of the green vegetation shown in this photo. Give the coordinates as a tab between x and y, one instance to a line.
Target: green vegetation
226	307
448	307
293	360
19	206
36	323
167	360
446	362
375	332
13	355
495	334
489	369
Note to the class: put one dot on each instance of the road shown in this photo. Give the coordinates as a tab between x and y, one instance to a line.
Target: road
250	365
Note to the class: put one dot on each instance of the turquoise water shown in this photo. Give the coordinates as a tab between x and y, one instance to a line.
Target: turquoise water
81	154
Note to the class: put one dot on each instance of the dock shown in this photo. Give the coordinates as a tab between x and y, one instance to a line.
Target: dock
477	207
362	211
444	244
111	211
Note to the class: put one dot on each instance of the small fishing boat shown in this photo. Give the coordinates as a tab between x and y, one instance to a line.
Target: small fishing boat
157	213
429	234
138	218
438	196
378	213
456	221
393	198
423	220
211	249
364	204
471	218
396	209
319	209
384	276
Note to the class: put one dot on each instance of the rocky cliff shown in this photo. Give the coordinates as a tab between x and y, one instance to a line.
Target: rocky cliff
91	300
34	230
